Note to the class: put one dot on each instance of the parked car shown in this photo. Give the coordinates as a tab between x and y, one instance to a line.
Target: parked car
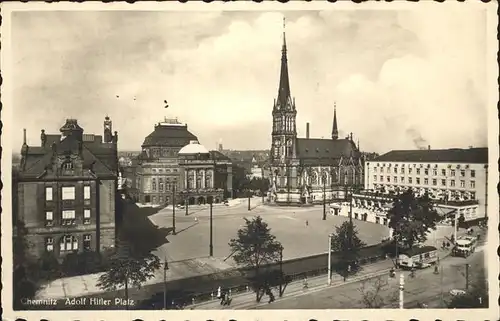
457	292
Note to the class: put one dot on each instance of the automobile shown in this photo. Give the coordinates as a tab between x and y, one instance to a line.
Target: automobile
457	292
422	265
180	206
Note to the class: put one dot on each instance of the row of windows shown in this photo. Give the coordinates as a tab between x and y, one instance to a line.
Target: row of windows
68	243
454	194
166	170
426	171
161	185
472	184
67	193
68	217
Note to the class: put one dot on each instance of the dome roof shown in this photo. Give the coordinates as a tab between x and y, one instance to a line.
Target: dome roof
193	148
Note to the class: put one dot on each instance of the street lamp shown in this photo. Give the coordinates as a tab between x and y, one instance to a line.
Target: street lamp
173	209
211	246
330	258
324	196
248	194
281	271
165	268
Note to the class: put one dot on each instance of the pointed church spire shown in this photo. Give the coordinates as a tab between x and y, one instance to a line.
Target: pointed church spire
335	131
284	88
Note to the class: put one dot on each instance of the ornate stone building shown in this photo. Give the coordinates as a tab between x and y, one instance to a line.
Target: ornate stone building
206	175
65	190
305	169
168	154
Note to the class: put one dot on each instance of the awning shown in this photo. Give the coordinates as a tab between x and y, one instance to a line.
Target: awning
443	211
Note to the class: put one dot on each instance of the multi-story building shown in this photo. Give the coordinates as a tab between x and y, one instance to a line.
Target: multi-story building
66	190
158	174
205	175
306	170
456	179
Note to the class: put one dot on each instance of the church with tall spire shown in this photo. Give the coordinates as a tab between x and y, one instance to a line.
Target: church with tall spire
308	170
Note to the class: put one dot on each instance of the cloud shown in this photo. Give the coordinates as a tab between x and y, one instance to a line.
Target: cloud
394	75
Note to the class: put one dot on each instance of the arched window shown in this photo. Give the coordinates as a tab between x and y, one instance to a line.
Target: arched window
191	180
199	179
161	185
68	243
208	179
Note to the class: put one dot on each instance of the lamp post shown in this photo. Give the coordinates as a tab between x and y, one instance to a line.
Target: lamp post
211	246
281	271
330	259
248	194
165	268
401	290
324	196
187	204
262	183
173	209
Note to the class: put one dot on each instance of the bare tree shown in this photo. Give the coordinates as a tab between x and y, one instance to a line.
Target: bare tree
376	293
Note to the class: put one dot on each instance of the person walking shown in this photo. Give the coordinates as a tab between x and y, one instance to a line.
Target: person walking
307	223
304	283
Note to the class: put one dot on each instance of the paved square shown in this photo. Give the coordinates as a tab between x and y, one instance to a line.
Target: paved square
286	223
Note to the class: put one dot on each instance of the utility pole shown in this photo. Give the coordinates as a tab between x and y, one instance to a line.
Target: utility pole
401	290
324	197
165	268
456	226
281	271
187	204
262	183
467	277
329	259
249	200
173	209
211	246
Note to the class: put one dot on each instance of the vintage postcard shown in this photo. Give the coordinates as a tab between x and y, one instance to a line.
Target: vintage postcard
250	161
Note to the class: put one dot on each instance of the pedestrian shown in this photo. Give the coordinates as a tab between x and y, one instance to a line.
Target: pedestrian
447	245
307	223
305	285
444	245
219	292
196	219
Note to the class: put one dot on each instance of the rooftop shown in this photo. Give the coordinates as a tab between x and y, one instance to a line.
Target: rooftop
169	133
452	155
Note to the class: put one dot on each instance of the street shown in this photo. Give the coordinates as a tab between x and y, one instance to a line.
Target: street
426	287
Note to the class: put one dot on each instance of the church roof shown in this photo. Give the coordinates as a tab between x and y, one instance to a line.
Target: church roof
169	135
317	151
453	155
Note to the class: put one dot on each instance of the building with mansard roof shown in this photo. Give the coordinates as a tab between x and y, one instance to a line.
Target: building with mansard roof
174	168
308	170
65	190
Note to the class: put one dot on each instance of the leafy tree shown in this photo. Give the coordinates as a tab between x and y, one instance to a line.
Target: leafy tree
411	218
255	247
128	267
347	244
372	293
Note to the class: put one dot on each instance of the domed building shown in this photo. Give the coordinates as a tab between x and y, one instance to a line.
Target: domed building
160	176
206	175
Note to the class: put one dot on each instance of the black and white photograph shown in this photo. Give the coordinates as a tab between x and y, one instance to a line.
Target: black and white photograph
297	160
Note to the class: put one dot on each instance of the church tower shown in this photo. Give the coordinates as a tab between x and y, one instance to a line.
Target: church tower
284	132
335	130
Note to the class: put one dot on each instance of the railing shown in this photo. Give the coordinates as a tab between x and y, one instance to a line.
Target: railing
202	297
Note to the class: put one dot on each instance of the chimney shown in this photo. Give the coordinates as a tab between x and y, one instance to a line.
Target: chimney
307	130
429	147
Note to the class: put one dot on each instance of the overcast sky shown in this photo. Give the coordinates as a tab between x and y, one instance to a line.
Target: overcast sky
395	76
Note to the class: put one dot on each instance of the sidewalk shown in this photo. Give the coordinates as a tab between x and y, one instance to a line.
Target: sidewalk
246	300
